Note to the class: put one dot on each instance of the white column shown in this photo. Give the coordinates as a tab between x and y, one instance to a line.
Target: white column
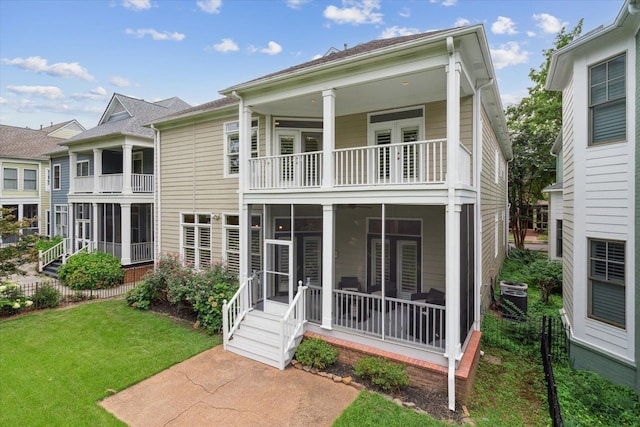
243	208
126	169
125	230
328	263
328	136
71	229
73	159
452	257
95	223
97	169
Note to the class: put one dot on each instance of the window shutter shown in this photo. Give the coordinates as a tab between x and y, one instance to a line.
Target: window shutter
608	302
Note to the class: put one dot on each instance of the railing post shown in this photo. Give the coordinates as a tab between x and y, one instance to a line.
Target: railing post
225	324
40	261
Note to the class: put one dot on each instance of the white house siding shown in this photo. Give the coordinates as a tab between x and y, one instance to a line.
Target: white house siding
493	200
604	203
192	180
555	214
568	180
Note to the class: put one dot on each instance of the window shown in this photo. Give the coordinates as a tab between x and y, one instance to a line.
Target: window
559	238
607	101
232	243
61	219
496	233
10	178
47	179
47	214
195	239
57	178
232	146
30	213
82	168
137	165
607	281
30	179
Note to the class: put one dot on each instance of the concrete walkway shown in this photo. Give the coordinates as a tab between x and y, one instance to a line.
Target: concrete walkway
221	388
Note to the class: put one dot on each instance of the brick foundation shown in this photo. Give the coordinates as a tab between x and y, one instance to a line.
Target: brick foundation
424	375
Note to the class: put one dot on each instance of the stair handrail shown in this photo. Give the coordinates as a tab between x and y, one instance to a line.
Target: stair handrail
235	309
88	247
46	257
292	325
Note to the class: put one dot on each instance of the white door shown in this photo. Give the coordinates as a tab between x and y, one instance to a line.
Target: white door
311	260
376	263
395	163
407	268
277	280
288	144
83	233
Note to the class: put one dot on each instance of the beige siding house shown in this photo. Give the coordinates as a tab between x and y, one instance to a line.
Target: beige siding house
361	197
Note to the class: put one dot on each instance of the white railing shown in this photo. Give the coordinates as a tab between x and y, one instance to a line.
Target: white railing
53	253
415	323
83	184
421	162
111	183
141	251
111	248
286	171
314	304
234	311
293	323
90	246
142	183
464	165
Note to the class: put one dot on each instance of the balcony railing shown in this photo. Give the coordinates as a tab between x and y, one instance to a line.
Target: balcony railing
420	162
113	183
141	252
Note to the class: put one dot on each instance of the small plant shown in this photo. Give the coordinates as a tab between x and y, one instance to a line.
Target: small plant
44	244
12	298
46	296
381	372
547	275
94	270
316	353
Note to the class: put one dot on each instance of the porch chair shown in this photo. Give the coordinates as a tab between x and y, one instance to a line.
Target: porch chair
350	283
420	317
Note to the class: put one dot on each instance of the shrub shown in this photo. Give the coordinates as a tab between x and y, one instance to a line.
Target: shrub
46	296
12	298
316	353
94	270
547	275
45	244
381	372
207	302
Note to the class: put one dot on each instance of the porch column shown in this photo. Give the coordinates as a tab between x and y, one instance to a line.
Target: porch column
71	229
328	136
73	159
328	262
245	148
126	170
95	223
97	169
452	257
243	180
125	230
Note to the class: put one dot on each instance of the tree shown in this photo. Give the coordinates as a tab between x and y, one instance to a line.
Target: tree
534	124
10	225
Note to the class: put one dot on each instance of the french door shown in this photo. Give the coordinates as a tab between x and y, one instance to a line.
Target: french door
401	262
396	163
83	233
298	170
311	260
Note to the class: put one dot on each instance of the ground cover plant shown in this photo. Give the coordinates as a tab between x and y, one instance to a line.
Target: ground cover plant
56	365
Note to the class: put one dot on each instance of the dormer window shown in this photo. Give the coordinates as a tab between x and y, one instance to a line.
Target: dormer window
118	116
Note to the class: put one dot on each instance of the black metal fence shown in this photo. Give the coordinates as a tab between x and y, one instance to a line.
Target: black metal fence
551	351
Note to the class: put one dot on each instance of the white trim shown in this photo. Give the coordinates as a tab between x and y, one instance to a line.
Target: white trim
79	163
47	179
196	241
225	243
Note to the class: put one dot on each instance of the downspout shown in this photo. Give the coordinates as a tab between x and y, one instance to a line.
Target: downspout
477	168
157	239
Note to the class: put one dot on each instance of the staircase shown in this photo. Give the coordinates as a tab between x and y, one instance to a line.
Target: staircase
259	338
51	269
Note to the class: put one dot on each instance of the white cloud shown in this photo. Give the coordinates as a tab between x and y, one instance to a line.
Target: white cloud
548	23
155	35
210	6
405	12
272	48
97	93
59	69
226	45
49	92
445	2
461	22
531	33
355	12
2	100
137	5
296	4
396	31
508	54
119	81
504	25
317	56
512	98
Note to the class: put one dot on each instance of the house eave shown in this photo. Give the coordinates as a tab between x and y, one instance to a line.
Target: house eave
194	116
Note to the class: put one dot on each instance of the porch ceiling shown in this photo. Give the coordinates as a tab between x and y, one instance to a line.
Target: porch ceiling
411	89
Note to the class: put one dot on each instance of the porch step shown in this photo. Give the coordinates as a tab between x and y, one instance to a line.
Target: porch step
258	338
51	270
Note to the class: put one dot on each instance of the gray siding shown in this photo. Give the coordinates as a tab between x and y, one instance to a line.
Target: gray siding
59	197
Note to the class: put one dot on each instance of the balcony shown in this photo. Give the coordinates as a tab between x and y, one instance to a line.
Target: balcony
411	163
113	183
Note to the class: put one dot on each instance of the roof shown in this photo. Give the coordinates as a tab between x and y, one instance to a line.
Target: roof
24	143
207	107
139	113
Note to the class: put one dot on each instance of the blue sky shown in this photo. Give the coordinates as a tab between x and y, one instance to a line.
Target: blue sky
64	59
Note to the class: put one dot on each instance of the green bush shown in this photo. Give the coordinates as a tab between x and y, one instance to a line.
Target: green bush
12	298
94	270
546	275
46	296
44	244
208	298
381	372
316	353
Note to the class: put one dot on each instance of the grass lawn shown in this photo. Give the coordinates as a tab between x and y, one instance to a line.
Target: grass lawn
56	365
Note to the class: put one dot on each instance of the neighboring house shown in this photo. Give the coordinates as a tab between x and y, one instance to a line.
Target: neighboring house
598	77
25	172
103	183
375	175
